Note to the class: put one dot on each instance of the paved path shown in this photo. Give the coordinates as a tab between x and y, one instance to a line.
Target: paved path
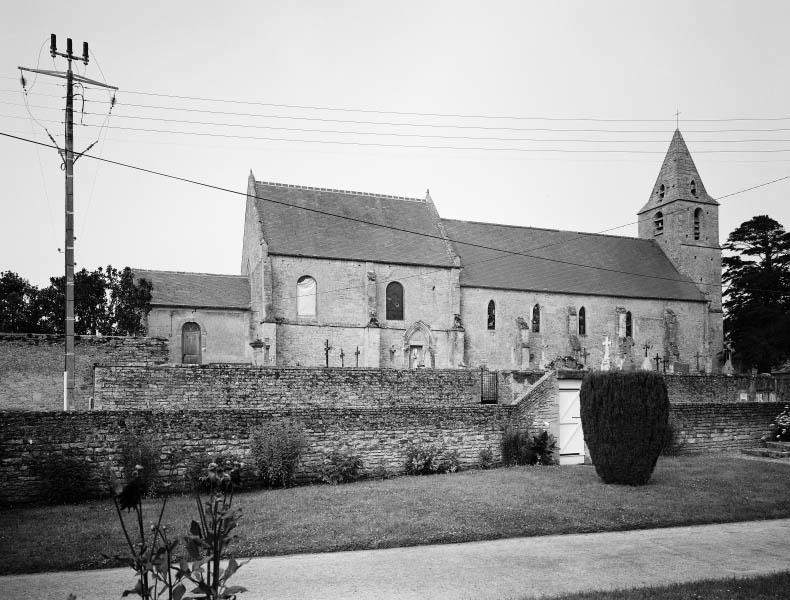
511	568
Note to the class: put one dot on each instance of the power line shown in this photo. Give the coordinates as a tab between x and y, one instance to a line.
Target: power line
423	125
372	223
443	115
411	135
423	146
434	114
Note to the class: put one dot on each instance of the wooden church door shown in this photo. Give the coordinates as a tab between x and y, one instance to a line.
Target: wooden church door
190	344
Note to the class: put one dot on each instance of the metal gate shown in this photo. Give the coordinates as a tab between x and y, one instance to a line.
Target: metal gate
489	386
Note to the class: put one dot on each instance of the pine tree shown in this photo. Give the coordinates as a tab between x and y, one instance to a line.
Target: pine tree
757	294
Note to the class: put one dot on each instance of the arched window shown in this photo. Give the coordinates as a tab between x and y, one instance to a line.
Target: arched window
190	344
536	318
491	323
306	296
395	301
629	327
661	191
693	188
658	223
582	321
697	222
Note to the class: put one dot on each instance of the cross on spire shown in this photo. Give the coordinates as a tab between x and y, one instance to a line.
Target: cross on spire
677	118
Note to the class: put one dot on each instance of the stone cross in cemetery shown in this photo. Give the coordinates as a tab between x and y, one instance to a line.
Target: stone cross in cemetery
327	348
342	357
606	363
357	353
584	354
646	363
658	361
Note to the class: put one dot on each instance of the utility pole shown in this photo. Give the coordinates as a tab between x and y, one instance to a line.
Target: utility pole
68	159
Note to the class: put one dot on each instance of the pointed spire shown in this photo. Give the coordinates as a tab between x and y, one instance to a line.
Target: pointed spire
678	178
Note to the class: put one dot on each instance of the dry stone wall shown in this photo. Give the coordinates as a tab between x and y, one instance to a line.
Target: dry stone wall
690	389
31	366
721	426
285	388
380	436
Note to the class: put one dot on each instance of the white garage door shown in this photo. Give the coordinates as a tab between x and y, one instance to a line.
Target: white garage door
571	436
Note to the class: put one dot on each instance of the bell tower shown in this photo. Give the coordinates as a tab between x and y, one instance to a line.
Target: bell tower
684	220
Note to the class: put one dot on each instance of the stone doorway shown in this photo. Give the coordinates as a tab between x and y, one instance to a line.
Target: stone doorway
418	346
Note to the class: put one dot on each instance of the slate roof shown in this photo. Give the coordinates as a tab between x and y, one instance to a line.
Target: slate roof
628	267
290	230
199	290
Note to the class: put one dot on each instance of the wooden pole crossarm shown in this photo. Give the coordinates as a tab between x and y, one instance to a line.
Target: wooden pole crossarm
78	78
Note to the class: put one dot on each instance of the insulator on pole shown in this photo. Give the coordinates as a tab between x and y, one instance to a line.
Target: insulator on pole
68	46
85	52
53	45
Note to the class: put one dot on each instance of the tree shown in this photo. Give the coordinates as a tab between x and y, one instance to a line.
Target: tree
757	294
625	417
130	301
17	304
106	302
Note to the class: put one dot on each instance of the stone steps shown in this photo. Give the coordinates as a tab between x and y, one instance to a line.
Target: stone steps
785	446
767	452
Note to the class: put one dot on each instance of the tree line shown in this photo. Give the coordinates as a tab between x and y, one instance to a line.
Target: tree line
107	301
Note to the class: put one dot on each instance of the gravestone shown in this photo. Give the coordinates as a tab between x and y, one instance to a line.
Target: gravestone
606	362
679	368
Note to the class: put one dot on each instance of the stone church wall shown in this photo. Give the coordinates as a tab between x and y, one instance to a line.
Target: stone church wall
223	332
349	293
31	366
499	349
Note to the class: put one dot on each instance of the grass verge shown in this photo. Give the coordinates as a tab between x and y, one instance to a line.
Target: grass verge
766	587
407	511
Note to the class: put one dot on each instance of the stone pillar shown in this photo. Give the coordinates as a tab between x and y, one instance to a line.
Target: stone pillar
370	348
371	294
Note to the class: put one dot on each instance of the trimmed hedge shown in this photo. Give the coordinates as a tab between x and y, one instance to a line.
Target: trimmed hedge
625	418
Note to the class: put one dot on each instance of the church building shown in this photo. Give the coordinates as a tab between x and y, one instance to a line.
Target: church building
371	280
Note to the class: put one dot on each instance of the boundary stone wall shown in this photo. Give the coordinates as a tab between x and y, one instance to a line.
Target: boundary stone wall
721	426
380	436
31	366
720	389
219	386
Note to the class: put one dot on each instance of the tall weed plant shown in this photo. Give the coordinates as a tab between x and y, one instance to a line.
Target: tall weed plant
276	449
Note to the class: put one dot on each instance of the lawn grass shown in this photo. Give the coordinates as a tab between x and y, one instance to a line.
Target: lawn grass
765	587
406	511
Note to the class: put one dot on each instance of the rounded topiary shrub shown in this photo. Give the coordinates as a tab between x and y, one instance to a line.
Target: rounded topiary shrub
625	417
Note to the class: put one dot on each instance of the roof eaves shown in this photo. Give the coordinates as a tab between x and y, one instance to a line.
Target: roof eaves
596	294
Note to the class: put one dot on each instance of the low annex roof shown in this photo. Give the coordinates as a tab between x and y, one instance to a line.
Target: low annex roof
566	262
290	230
199	290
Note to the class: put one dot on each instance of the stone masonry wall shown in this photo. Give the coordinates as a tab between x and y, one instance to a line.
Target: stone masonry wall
245	386
31	366
501	348
722	426
380	436
686	389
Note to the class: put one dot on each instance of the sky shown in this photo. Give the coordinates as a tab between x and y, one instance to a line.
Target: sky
544	114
